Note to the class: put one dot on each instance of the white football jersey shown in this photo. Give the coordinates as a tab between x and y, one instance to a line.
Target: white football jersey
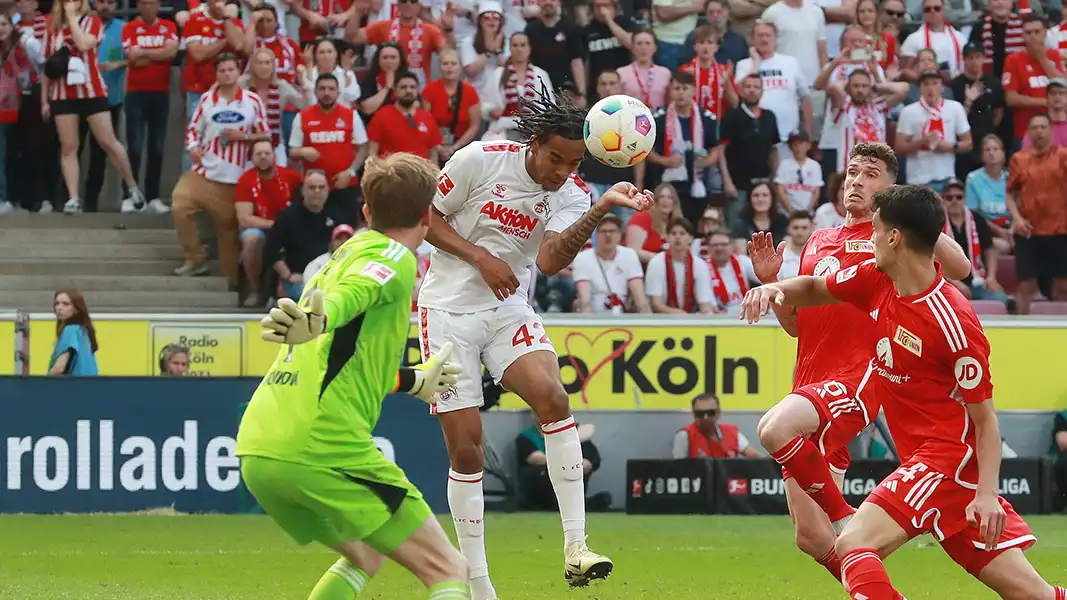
488	197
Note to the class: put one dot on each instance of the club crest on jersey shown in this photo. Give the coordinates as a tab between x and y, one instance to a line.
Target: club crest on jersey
828	265
378	272
909	341
444	184
542	207
499	191
859	246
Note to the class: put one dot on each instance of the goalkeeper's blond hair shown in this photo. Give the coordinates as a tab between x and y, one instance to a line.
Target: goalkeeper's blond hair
398	190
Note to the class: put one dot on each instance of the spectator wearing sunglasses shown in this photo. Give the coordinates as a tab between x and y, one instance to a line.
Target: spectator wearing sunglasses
403	126
892	17
937	34
971	231
706	437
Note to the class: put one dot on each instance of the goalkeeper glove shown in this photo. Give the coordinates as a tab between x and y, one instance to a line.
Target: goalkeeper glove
290	324
435	375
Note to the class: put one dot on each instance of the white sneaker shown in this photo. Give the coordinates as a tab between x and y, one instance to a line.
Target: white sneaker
582	565
5	207
134	203
157	206
189	269
46	207
72	207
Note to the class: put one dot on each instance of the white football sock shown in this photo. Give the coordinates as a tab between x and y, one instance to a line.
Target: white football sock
563	450
467	504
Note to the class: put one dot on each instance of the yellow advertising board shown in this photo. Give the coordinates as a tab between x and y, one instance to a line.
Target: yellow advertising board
619	363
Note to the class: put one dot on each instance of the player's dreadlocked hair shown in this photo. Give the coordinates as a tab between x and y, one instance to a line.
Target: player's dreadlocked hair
540	117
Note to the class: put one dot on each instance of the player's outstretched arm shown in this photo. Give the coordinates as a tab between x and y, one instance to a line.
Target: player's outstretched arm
799	291
954	261
985	511
767	263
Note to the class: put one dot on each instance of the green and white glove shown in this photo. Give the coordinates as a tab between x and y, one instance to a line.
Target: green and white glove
290	324
435	375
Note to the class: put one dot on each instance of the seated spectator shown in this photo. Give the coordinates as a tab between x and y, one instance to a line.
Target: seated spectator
76	346
174	360
377	86
323	58
646	232
609	277
707	437
454	104
799	178
711	221
761	213
301	233
404	126
261	193
797	234
1059	449
488	49
985	192
518	78
275	92
677	282
832	213
535	487
971	231
731	274
341	234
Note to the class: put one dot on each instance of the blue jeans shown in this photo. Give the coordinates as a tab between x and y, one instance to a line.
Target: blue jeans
147	112
669	55
192	99
293	290
979	292
287	128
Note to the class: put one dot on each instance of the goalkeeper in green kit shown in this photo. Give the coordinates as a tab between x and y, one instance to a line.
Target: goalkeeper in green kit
305	440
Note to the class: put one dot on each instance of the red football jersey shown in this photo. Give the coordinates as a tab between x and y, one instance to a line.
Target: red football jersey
931	360
201	28
268	197
334	134
92	84
155	75
1026	76
833	341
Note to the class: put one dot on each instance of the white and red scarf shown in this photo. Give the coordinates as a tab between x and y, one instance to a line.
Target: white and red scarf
646	87
957	52
674	131
414	50
259	197
860	123
688	304
974	248
935	122
720	284
1013	39
511	89
711	85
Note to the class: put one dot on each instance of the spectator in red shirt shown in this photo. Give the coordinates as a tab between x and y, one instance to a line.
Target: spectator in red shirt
35	172
327	136
79	92
454	104
1026	75
151	43
261	193
646	232
183	9
322	18
376	87
404	127
418	39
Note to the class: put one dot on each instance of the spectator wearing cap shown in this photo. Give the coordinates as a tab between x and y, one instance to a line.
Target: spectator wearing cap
608	38
404	126
986	190
1039	214
797	235
997	35
733	47
971	231
558	47
707	437
341	234
261	193
1056	97
609	276
930	133
799	178
300	234
983	99
750	136
676	281
937	34
489	48
1026	75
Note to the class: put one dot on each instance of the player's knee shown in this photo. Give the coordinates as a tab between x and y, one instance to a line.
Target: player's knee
468	457
554	406
812	542
773	430
847	542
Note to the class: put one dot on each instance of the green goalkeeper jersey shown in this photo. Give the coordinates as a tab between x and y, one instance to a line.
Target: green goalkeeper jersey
320	401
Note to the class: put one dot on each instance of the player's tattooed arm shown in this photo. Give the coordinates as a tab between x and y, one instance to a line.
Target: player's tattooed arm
558	250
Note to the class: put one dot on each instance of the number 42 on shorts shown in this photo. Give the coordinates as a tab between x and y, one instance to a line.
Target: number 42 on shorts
522	336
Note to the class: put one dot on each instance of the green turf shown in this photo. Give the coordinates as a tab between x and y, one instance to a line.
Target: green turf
141	557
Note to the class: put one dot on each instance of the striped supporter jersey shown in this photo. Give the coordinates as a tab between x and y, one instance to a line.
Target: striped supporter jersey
223	161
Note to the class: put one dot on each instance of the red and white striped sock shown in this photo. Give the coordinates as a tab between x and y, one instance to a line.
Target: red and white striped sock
1061	593
831	562
864	576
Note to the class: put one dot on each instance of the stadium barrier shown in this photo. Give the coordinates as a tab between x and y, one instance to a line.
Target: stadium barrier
744	486
623	363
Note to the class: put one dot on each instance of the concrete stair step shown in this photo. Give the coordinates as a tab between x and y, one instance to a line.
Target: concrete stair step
140	302
82	267
88	236
108	283
85	221
103	252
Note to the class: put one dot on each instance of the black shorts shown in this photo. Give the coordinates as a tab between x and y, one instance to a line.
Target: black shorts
82	107
1041	256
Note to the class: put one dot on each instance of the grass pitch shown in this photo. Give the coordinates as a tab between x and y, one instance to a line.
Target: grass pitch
149	557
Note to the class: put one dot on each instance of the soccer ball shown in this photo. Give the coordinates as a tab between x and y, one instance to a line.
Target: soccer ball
619	131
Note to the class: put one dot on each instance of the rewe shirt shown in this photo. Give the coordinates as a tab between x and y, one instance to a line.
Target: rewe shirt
783	88
488	197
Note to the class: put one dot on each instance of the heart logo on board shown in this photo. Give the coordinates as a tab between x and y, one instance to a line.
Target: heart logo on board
616	353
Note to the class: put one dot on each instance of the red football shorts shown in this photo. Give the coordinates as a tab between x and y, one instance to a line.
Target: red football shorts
841	417
922	500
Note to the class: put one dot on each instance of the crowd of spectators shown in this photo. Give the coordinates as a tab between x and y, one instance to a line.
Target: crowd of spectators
757	105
